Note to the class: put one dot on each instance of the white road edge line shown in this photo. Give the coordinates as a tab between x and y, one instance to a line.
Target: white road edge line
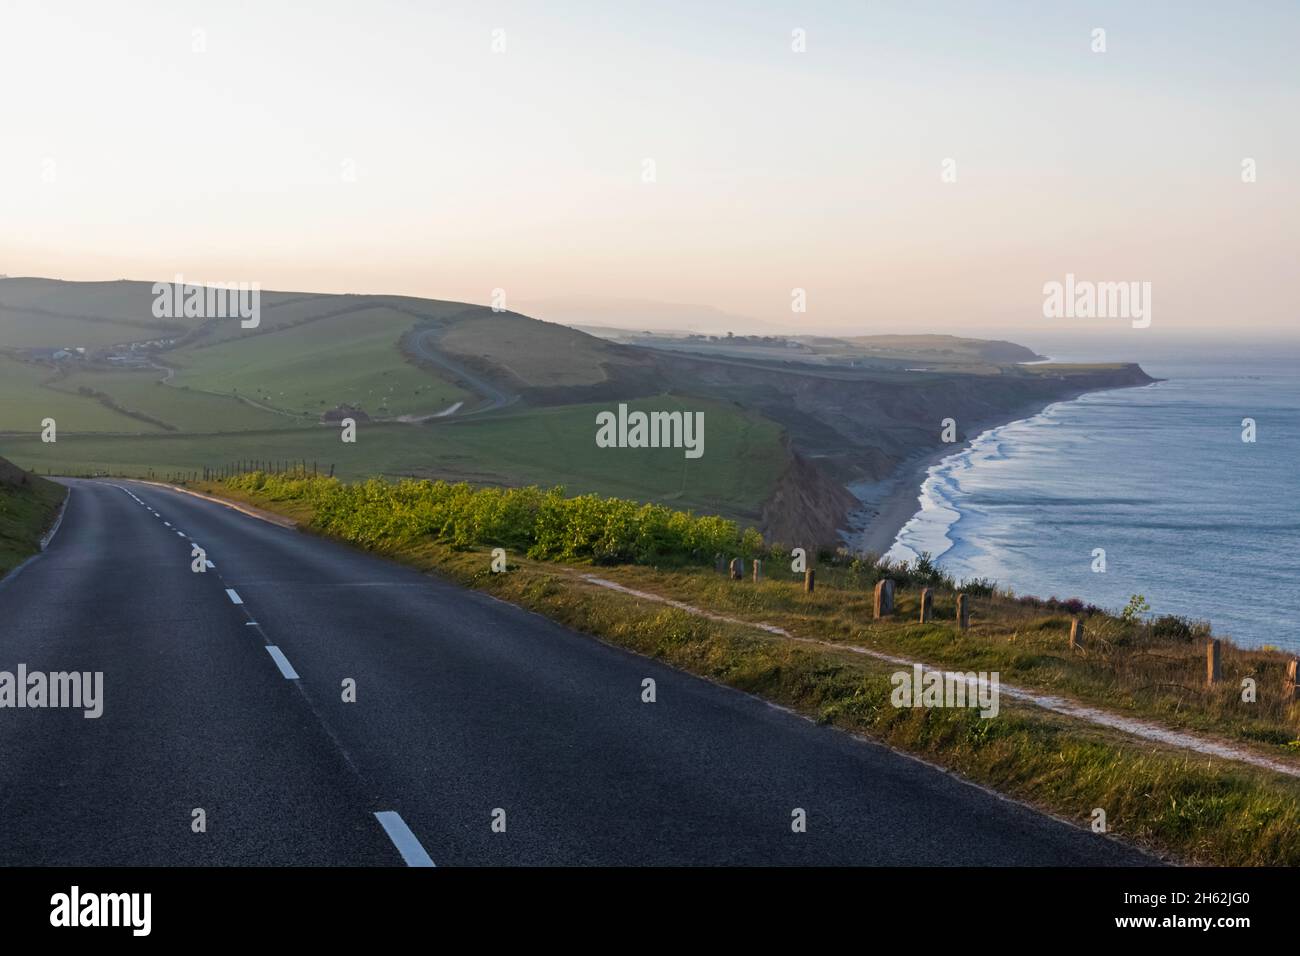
234	598
282	662
412	853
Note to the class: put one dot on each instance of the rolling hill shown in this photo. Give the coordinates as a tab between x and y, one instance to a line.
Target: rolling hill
453	390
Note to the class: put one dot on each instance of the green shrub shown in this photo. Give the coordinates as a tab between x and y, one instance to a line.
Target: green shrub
1175	628
544	524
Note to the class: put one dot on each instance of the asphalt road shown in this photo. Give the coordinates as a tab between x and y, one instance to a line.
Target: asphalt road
425	345
464	705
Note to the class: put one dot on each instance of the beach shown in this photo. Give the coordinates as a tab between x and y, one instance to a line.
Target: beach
889	504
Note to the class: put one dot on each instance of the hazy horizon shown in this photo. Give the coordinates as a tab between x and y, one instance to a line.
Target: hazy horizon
390	149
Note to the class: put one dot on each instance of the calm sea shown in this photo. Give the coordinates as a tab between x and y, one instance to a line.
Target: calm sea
1190	516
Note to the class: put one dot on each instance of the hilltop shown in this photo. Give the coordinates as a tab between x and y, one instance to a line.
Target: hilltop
458	391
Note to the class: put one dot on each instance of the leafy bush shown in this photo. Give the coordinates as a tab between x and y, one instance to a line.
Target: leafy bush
978	587
1133	611
542	523
1174	628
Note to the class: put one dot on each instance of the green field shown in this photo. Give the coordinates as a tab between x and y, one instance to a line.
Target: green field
30	393
183	408
743	456
352	358
26	330
258	395
533	353
24	402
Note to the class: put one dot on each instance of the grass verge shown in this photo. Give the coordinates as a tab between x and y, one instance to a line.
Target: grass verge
28	506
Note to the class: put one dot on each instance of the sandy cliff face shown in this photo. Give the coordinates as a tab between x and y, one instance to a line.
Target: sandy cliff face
842	431
807	508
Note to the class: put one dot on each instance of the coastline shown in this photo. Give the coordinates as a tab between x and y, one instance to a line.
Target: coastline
888	505
887	513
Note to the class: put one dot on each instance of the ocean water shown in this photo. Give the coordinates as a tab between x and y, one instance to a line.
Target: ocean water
1190	516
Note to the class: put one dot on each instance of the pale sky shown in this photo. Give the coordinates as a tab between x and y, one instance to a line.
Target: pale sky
128	154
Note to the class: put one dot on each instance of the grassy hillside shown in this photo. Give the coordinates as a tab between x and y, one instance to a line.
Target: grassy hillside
38	313
182	408
25	402
519	397
50	313
941	349
27	509
528	353
351	358
876	352
743	455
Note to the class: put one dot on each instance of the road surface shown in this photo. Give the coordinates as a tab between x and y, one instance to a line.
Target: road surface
464	706
424	342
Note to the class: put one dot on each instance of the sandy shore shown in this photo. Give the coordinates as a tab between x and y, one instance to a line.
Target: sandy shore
889	504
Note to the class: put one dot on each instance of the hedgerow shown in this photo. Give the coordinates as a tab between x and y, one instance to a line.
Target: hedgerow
542	523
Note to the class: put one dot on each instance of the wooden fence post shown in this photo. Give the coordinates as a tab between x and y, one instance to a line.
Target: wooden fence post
1076	634
927	605
758	570
737	569
963	612
884	603
719	563
1212	659
1289	688
809	581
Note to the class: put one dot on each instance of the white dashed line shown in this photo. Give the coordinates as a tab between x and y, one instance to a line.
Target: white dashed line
407	845
234	598
167	523
282	662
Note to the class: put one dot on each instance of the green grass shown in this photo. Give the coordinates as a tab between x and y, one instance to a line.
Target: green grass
308	368
26	330
532	353
742	460
183	408
741	463
25	402
27	508
1128	668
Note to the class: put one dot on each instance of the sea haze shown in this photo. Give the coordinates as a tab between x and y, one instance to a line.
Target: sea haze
1201	523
